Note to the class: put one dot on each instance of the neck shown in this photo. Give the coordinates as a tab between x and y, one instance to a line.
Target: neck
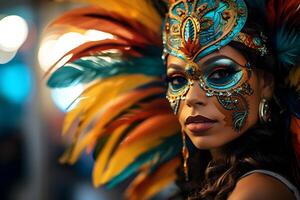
216	154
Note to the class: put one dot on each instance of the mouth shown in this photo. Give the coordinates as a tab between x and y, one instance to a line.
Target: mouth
198	124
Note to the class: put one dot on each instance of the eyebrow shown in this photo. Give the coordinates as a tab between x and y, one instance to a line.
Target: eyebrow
215	58
175	66
206	63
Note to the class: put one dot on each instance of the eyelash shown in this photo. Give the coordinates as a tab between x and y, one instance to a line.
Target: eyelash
228	71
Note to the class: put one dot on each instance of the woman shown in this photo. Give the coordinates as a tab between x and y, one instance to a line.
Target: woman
225	86
233	83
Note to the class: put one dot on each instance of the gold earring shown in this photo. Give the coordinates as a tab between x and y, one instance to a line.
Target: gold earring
185	154
264	111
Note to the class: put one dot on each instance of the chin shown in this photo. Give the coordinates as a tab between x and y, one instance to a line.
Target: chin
212	141
205	142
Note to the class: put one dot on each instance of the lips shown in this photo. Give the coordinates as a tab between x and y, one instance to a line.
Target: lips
199	123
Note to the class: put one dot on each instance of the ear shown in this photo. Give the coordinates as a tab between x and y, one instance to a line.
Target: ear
266	84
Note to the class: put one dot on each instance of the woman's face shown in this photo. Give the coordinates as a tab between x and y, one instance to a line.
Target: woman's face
219	98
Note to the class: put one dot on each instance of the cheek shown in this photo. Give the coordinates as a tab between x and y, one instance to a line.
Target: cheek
253	102
227	116
244	113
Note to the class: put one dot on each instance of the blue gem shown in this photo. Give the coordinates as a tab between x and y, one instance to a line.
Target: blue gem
190	70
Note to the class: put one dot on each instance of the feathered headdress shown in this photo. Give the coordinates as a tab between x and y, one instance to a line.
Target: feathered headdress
122	115
282	27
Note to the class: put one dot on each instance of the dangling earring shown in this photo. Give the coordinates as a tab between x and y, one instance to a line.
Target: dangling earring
185	154
264	111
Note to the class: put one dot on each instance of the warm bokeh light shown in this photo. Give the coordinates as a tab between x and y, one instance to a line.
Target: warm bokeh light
13	33
5	56
52	50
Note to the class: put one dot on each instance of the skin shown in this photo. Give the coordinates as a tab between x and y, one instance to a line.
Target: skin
197	103
259	186
221	133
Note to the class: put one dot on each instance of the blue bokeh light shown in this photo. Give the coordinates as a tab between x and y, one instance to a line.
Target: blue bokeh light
15	82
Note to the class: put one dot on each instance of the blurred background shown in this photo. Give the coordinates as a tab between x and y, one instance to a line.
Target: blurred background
31	115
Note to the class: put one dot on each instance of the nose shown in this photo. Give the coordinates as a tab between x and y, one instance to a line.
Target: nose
195	96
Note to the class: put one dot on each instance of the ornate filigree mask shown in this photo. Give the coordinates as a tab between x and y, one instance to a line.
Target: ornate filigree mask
221	77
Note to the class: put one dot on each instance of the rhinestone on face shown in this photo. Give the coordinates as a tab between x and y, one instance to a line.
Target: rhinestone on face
209	94
257	41
190	70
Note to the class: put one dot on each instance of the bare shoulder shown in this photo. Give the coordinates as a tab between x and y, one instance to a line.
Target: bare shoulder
258	186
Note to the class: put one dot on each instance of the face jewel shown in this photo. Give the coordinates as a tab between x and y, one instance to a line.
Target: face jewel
190	70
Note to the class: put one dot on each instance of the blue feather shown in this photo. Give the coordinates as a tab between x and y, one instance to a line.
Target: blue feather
87	69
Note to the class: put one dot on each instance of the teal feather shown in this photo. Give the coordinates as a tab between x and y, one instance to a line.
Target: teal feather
87	69
288	46
167	150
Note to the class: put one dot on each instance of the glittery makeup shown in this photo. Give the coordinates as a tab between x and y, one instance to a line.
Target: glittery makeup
219	76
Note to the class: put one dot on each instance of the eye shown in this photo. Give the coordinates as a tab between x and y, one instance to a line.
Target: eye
221	74
177	82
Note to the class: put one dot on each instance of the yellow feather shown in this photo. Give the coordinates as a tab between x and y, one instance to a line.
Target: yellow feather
146	185
294	78
97	95
140	10
153	136
107	149
107	115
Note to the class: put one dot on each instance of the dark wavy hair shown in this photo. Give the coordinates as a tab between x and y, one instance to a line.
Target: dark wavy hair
263	146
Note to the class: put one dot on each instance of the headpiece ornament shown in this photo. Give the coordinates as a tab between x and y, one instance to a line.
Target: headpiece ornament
196	28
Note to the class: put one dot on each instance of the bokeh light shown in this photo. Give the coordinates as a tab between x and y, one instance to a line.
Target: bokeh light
64	98
52	50
15	82
13	33
5	56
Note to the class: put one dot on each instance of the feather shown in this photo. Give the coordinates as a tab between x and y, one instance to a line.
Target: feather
109	88
87	69
123	110
294	79
139	10
143	138
284	23
147	184
295	129
108	114
97	30
157	106
168	149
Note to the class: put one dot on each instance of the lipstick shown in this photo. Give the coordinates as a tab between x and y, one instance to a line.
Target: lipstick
199	123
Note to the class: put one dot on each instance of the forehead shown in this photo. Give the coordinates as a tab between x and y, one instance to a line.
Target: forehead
227	51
